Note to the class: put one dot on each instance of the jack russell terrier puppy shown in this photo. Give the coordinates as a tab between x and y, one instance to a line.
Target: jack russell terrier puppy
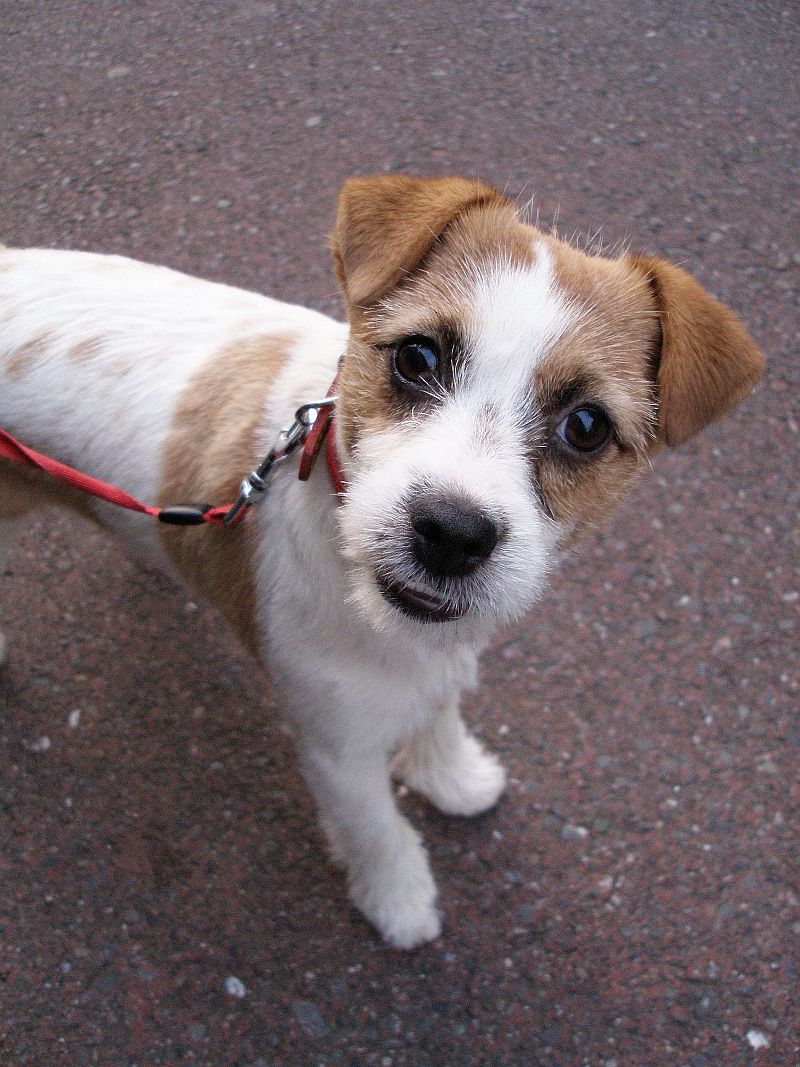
497	393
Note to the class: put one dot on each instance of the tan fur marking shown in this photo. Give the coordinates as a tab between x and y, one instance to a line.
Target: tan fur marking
28	355
212	445
386	225
708	362
581	494
85	351
423	296
610	347
488	232
611	344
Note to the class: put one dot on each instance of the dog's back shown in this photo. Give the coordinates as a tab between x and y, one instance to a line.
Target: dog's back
97	354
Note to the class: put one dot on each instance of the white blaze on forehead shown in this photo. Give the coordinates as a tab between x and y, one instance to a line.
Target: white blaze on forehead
518	314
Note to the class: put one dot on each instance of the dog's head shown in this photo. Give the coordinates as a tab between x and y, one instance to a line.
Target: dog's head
499	392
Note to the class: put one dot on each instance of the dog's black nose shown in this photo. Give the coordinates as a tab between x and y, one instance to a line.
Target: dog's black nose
452	537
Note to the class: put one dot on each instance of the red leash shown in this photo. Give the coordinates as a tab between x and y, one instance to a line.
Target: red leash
178	514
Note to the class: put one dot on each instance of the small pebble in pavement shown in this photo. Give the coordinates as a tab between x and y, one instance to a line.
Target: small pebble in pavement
310	1018
573	833
41	744
234	986
757	1040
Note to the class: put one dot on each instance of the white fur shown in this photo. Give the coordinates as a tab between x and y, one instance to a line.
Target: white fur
518	314
450	767
359	681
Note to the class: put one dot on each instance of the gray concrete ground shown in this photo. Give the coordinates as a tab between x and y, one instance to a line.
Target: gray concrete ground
156	842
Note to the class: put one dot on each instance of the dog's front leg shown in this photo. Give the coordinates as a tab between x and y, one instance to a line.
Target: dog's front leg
450	767
389	877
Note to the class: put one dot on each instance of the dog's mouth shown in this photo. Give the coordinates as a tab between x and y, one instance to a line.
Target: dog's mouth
418	603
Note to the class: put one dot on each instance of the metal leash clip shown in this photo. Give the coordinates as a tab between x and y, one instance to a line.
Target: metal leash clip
254	486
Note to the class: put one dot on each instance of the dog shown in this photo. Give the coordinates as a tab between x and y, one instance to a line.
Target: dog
498	391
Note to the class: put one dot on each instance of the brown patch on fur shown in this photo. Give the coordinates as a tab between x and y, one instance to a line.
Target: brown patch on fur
385	226
489	233
603	359
580	493
611	345
85	351
28	355
707	363
663	358
436	229
366	393
213	443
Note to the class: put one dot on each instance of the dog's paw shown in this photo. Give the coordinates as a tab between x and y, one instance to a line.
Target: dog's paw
399	898
467	781
405	918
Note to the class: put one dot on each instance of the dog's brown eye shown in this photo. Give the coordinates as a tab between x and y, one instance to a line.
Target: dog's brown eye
585	430
416	358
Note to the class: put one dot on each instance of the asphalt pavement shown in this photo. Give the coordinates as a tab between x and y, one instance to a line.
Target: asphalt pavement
635	899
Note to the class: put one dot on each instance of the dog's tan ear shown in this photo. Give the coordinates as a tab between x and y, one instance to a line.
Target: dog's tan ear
385	225
707	363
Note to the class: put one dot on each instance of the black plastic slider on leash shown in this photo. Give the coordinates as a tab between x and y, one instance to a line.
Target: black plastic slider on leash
185	514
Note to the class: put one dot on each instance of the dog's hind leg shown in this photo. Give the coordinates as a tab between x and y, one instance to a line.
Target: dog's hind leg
450	767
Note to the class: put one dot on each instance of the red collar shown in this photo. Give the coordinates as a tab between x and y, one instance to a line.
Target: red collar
323	431
332	456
